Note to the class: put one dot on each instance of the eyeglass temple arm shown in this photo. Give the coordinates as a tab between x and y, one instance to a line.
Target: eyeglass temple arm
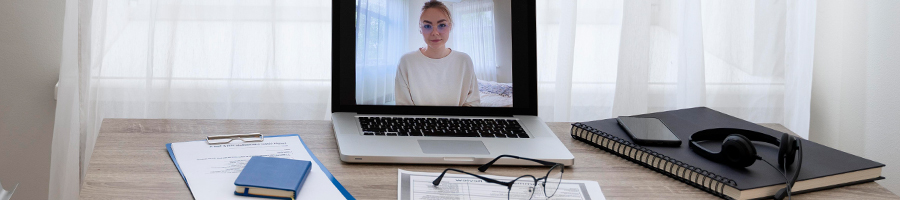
487	165
490	180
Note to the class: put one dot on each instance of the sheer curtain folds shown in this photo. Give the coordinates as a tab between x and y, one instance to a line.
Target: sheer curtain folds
473	33
750	59
186	59
381	31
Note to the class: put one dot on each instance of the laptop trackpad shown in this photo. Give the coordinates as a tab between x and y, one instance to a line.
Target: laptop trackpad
453	147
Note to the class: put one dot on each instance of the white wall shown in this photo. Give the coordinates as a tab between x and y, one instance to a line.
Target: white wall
838	91
855	101
882	87
30	42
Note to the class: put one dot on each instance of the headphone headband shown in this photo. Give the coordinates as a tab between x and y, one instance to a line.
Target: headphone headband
741	148
722	133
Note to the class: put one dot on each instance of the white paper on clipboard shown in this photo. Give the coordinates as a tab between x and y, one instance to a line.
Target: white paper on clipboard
210	170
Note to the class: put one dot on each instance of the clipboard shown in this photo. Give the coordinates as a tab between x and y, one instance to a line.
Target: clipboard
334	181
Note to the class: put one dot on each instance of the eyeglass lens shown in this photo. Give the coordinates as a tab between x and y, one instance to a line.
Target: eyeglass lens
551	183
522	188
441	28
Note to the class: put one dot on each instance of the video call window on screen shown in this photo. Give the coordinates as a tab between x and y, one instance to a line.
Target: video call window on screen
451	53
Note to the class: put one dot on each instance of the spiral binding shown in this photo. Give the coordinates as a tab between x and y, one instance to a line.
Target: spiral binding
720	181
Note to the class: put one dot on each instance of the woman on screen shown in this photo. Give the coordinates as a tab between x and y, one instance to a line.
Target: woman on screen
436	75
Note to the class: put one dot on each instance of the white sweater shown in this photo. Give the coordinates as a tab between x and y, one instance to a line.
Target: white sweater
448	81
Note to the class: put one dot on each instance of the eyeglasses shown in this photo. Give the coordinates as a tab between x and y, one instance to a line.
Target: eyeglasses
441	28
521	188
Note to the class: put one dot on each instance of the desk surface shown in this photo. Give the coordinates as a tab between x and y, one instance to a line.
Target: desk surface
130	162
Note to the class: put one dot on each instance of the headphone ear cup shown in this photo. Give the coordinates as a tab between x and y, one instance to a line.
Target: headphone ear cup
738	151
786	150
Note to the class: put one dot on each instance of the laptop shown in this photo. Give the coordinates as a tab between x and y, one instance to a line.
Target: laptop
473	97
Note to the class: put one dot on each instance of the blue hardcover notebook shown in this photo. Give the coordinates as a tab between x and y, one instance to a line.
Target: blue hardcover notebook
267	177
334	181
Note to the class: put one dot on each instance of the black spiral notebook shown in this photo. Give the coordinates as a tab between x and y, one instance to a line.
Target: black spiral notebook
823	167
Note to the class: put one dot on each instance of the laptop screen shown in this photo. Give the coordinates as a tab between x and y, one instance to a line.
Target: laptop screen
454	53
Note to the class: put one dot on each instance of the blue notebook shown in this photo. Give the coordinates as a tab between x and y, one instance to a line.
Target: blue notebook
277	178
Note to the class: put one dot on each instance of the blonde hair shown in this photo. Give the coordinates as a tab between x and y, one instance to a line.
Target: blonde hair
438	5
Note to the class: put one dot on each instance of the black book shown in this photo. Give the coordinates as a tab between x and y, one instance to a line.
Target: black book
823	167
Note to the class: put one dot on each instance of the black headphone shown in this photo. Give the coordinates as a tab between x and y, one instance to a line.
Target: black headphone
738	150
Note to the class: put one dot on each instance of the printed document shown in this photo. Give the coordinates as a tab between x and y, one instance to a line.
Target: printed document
210	170
418	186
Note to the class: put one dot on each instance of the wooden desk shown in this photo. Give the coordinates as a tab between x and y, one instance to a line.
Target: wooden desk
130	162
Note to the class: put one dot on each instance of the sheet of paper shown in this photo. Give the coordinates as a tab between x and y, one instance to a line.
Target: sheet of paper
210	170
418	186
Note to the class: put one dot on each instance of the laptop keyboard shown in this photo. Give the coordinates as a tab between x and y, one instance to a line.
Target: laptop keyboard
441	127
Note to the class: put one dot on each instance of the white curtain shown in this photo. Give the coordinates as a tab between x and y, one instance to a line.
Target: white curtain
473	33
381	31
186	59
855	106
606	58
65	159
